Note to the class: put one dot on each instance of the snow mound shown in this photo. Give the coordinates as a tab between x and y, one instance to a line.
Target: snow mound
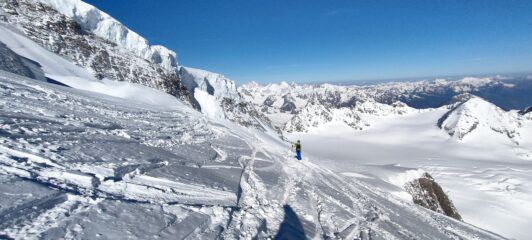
478	115
93	20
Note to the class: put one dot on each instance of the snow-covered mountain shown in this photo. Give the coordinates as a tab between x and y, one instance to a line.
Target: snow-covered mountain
107	49
477	117
418	94
358	116
218	98
79	164
95	41
282	102
213	83
94	143
92	20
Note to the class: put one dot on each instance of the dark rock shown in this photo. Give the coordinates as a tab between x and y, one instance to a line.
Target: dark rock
288	104
525	111
268	101
427	193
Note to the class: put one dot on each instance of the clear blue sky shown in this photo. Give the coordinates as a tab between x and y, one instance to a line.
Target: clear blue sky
336	40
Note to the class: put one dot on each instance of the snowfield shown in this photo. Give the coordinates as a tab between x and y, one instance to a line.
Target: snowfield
102	141
78	164
487	173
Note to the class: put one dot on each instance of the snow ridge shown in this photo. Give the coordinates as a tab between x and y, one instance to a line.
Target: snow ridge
95	21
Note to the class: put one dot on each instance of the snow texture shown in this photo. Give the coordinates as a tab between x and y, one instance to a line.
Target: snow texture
85	157
486	175
76	164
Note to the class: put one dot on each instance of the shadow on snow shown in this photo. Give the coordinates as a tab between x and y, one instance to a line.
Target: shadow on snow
291	227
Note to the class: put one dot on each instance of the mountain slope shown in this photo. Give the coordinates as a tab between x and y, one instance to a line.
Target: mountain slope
479	116
108	50
505	93
98	166
93	40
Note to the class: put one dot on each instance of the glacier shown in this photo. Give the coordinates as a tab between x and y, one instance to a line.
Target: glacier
79	164
103	135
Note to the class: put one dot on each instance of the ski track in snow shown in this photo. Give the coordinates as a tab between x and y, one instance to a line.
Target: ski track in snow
101	163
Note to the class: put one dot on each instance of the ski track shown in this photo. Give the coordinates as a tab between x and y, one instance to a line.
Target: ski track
33	228
162	161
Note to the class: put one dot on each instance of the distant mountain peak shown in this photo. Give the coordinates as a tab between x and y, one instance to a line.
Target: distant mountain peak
477	115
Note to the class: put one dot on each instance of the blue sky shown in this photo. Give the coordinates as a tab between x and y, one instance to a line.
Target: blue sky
336	40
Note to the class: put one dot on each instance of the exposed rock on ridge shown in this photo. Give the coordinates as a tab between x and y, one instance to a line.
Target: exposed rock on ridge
87	45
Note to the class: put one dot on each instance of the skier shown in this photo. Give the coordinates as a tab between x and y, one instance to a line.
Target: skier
298	150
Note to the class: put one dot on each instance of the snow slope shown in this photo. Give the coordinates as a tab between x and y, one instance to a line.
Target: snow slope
487	176
78	164
91	39
60	69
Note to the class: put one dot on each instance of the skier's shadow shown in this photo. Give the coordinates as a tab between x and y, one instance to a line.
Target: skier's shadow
291	227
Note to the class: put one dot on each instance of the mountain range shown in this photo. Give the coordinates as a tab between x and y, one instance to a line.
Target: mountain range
105	135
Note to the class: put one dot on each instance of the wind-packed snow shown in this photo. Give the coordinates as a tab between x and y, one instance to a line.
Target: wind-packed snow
102	25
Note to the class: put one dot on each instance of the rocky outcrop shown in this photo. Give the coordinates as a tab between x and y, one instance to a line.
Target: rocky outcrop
525	111
288	104
427	193
245	114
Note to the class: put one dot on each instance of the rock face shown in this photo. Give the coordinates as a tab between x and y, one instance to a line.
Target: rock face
95	41
429	194
244	114
525	111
